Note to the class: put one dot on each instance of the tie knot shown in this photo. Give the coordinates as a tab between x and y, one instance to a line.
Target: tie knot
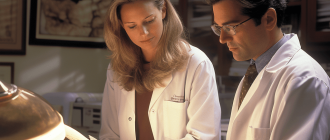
251	73
252	68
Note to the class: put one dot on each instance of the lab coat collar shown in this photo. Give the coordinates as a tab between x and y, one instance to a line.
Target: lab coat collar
284	54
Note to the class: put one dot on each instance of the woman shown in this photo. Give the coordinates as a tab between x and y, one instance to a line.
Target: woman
158	86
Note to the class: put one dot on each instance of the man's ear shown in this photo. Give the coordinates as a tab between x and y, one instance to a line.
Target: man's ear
164	10
270	19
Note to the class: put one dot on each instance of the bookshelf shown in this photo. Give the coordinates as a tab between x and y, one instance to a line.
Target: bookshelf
314	40
318	21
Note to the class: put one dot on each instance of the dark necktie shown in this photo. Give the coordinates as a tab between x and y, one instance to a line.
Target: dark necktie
250	75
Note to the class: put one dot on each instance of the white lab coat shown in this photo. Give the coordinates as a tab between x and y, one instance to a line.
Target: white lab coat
289	99
199	117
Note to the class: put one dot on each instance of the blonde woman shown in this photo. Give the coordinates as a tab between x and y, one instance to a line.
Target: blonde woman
158	86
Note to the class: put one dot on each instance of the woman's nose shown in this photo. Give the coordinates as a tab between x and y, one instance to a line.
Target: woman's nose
144	30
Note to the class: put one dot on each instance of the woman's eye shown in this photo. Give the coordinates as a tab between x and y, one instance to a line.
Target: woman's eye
150	21
132	27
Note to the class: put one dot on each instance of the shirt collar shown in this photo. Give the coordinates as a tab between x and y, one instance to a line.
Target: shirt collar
264	59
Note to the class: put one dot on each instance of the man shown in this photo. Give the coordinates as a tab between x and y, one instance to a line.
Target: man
285	92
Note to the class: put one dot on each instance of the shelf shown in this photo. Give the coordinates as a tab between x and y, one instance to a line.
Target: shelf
294	3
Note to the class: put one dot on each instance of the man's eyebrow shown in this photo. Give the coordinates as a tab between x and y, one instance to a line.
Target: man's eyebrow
229	22
144	18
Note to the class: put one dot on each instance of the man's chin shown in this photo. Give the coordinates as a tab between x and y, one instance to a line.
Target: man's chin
237	58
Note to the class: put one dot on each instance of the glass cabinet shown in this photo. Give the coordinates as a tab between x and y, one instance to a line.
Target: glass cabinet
318	21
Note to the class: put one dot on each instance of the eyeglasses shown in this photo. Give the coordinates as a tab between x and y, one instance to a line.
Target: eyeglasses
229	29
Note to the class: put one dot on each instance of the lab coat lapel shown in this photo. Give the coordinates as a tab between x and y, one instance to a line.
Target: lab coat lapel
262	78
284	54
252	95
234	109
158	91
128	109
129	96
279	60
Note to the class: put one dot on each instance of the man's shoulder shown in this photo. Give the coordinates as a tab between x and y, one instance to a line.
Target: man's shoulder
304	66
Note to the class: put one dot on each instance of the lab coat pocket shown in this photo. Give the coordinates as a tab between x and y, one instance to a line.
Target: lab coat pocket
258	133
174	114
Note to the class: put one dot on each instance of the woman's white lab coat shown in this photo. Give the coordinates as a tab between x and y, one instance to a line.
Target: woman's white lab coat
197	118
289	99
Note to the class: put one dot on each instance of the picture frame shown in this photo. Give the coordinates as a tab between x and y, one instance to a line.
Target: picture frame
67	23
7	72
12	27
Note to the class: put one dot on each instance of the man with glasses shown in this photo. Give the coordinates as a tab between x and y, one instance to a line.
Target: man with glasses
285	93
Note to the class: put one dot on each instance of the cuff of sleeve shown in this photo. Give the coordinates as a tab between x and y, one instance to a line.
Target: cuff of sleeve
190	137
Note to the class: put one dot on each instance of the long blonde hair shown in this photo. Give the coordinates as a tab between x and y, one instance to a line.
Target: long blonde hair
126	57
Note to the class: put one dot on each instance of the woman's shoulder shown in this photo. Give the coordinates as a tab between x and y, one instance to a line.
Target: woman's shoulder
197	55
111	77
110	72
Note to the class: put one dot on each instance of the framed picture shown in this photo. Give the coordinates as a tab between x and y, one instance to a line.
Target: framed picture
7	72
12	27
76	23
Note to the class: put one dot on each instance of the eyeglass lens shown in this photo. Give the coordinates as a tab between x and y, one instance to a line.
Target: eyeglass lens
228	29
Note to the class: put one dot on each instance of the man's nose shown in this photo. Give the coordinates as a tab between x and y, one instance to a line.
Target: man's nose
224	37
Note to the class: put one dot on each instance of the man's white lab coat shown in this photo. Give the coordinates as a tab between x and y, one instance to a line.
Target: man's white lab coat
197	118
289	99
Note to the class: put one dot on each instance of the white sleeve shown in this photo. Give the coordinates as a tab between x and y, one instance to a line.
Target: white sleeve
109	118
204	111
304	111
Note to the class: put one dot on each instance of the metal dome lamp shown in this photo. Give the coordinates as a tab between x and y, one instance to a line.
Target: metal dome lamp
26	115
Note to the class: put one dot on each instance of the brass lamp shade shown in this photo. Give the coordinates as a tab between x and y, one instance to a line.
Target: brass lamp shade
25	115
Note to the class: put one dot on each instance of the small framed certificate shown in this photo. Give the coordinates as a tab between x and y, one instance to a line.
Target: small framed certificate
12	27
7	72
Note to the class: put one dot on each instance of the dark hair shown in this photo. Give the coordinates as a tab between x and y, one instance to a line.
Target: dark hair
257	8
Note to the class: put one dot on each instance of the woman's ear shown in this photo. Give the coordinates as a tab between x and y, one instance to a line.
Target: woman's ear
164	10
270	19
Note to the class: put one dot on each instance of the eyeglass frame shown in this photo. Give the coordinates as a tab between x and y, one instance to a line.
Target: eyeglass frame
217	27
